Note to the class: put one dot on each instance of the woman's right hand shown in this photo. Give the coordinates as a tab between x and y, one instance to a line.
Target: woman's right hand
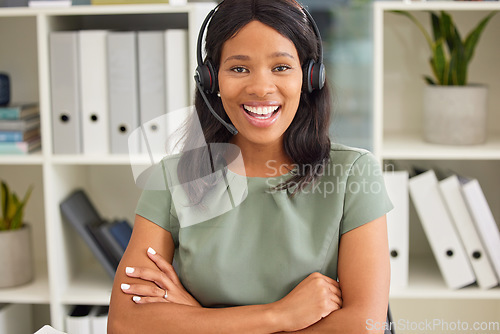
168	285
311	300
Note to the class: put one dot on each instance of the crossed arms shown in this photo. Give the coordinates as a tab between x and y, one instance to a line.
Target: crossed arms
317	305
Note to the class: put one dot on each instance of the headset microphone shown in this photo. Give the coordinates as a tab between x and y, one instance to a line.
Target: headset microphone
228	126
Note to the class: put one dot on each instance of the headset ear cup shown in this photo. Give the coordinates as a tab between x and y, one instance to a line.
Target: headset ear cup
214	84
207	78
203	77
314	76
318	76
306	70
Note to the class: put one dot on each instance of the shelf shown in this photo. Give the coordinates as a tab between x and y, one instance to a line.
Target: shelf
111	159
103	160
20	159
95	10
35	292
438	5
426	282
412	147
118	159
16	12
90	287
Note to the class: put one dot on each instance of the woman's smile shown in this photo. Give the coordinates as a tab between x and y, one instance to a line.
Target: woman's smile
261	114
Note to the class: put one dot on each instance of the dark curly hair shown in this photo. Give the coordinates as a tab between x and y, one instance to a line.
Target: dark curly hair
306	141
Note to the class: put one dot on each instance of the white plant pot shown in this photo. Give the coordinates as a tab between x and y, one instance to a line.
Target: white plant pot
455	115
16	257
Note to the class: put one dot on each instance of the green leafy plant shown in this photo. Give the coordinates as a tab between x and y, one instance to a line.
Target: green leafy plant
450	54
12	208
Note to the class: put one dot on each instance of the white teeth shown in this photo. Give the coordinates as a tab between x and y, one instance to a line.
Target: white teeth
261	110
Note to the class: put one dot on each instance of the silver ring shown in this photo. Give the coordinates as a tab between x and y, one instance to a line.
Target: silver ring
166	294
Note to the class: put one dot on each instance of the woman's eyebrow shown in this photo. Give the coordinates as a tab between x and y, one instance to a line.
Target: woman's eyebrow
282	54
237	57
274	55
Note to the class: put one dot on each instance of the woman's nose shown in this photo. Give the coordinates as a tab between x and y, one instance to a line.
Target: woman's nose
261	83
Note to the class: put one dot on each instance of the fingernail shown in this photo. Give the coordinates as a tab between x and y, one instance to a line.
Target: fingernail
136	298
129	270
151	251
125	286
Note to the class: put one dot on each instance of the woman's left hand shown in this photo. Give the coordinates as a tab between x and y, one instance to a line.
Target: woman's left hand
168	289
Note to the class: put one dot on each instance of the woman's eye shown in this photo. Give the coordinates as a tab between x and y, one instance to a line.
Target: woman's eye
281	68
239	69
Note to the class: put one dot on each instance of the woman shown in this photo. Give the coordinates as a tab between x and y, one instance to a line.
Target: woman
270	263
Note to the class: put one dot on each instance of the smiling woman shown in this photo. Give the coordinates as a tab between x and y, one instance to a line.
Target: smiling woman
305	247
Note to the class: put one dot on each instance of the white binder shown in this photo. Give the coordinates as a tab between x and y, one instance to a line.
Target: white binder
78	321
398	226
177	72
151	51
65	92
438	227
177	78
451	190
484	220
99	319
16	318
123	90
94	91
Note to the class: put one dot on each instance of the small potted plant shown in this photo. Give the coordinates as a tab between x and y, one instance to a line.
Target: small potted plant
454	110
16	258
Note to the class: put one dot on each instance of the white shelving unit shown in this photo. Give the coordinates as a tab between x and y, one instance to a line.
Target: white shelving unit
400	60
66	272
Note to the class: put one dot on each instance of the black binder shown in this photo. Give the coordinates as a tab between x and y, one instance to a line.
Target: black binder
79	212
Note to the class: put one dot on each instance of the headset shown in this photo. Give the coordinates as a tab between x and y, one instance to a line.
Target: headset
207	81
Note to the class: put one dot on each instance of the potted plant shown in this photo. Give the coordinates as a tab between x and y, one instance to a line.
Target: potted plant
454	110
16	258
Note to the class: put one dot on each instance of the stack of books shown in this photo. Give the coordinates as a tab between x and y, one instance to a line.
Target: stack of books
19	128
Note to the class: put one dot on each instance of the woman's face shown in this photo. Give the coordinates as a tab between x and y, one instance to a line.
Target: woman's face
260	82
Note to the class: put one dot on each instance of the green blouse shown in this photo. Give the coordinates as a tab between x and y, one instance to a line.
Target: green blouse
257	251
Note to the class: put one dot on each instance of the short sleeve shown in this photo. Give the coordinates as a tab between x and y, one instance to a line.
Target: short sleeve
366	197
155	201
